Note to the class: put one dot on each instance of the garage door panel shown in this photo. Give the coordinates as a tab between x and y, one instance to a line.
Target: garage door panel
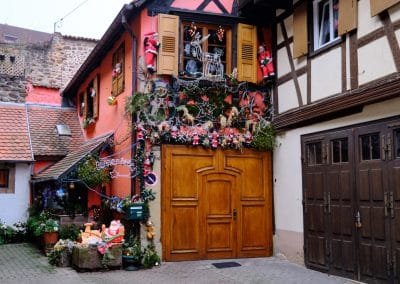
185	168
218	197
256	171
373	260
343	255
364	185
376	181
219	236
316	250
342	221
253	214
185	229
345	185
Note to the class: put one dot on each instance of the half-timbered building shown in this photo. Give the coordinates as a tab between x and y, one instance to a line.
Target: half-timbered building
336	108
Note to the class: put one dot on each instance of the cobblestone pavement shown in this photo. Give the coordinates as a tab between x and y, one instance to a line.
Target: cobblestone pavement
23	263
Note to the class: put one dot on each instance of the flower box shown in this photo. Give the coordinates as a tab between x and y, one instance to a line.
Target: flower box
88	258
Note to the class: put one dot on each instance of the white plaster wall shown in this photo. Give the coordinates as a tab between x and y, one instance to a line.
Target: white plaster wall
14	206
287	97
375	60
288	176
283	62
394	13
366	24
303	87
279	35
398	36
326	75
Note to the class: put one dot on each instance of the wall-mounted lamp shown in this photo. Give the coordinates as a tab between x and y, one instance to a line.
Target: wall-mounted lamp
71	185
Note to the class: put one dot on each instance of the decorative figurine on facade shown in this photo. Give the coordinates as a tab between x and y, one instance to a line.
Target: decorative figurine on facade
151	46
266	63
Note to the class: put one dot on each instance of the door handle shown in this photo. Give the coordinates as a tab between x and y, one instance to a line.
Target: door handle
358	220
234	214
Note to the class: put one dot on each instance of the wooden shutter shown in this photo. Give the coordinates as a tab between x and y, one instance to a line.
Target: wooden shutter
168	31
96	98
300	38
347	16
378	6
247	53
118	83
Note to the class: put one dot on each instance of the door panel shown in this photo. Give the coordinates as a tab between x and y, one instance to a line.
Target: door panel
216	204
364	183
218	192
371	185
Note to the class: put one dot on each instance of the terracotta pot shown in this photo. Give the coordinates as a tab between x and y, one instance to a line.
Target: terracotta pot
50	238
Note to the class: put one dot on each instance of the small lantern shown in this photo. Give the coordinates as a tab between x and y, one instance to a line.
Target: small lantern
71	185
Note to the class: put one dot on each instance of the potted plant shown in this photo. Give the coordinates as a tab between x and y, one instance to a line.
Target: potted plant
49	230
87	122
61	253
132	254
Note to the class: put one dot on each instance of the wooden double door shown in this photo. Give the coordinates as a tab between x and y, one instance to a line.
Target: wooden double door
215	204
351	196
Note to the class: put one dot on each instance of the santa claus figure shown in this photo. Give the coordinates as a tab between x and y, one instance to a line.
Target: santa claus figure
266	63
151	46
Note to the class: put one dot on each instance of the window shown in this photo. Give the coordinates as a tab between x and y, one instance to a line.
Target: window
7	178
90	104
214	40
118	71
370	147
325	22
340	151
314	153
4	177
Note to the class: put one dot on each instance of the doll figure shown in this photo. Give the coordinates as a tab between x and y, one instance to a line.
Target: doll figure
266	63
151	46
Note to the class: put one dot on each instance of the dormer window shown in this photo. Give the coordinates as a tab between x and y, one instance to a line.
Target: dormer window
63	130
10	38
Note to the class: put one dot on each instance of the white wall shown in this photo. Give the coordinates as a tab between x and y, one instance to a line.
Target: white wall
288	173
14	206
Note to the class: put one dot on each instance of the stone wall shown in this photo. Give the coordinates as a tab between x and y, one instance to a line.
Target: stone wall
12	88
48	64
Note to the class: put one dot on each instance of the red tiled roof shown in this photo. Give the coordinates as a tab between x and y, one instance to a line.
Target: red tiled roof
44	135
14	136
67	164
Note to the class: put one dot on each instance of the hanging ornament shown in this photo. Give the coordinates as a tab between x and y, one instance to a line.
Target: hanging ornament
192	30
220	33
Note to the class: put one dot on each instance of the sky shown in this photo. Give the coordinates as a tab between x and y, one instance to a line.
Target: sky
90	19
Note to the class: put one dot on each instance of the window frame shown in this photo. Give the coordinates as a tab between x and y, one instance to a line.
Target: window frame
118	79
316	26
10	187
205	27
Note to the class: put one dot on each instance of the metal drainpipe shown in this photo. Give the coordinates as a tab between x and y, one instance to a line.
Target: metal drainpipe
134	78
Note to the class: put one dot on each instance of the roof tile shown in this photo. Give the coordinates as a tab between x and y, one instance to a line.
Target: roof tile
14	136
